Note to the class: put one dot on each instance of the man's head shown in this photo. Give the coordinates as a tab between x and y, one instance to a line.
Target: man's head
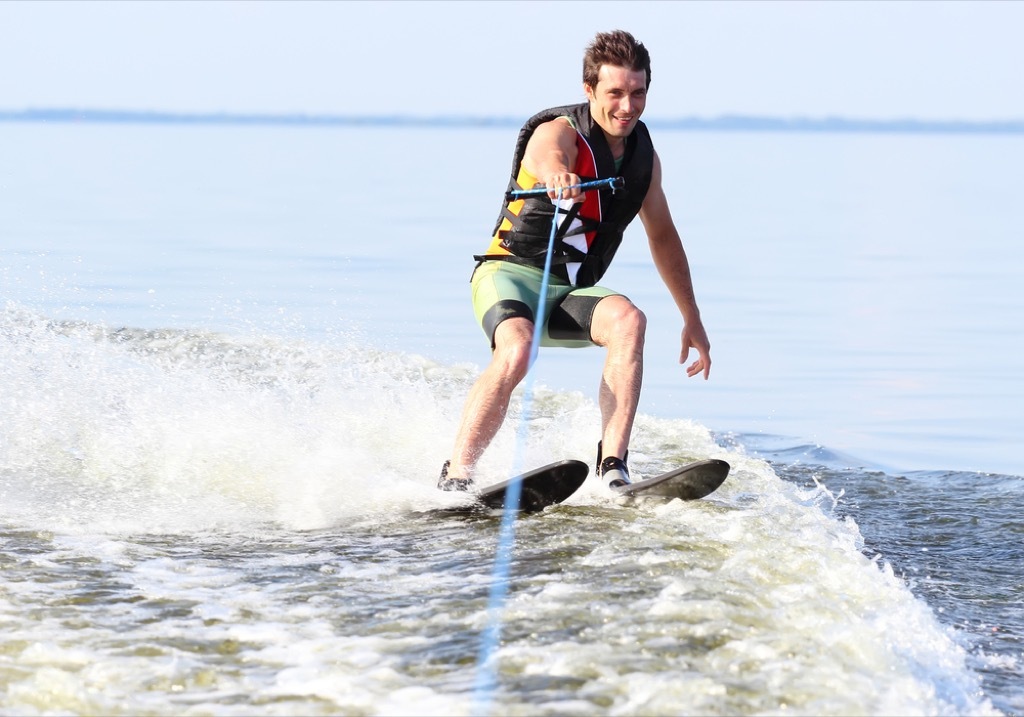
616	75
616	48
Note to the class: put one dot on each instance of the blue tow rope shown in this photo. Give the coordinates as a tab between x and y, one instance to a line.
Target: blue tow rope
483	688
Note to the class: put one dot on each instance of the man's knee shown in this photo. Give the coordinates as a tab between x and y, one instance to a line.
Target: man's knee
619	319
512	342
633	319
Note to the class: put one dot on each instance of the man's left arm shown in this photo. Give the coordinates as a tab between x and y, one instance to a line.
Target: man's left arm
670	259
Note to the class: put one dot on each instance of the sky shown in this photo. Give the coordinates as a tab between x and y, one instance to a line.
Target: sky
860	60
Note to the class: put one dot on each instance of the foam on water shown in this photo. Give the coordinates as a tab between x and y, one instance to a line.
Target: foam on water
199	523
175	431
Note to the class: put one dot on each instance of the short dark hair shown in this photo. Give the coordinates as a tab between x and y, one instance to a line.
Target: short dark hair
616	48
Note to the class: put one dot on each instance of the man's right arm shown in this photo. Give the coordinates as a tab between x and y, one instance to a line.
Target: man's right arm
550	156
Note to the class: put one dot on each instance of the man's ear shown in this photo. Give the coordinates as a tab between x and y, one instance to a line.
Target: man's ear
588	91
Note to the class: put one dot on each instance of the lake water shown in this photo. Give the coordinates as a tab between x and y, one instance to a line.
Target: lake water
233	358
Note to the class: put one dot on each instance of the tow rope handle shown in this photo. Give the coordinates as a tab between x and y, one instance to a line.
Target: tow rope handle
612	182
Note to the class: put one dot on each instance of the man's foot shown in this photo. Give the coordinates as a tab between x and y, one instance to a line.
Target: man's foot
446	483
614	472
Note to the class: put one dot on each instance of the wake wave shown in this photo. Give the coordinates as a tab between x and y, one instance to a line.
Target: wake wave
170	430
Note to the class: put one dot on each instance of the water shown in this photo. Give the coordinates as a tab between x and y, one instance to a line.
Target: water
233	359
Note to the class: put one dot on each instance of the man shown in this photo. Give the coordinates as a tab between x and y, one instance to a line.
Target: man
558	149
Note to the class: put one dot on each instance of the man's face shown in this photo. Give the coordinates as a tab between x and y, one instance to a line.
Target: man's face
618	100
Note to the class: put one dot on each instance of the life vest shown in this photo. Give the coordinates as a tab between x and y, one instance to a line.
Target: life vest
591	231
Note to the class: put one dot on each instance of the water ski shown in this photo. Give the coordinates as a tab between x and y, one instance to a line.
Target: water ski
690	482
541	487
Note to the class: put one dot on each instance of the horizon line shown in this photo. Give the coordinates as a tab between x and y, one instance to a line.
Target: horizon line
733	122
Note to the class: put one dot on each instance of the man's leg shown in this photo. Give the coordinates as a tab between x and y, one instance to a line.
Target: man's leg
488	400
619	326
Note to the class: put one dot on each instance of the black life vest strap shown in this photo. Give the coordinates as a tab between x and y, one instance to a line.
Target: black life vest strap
563	230
571	213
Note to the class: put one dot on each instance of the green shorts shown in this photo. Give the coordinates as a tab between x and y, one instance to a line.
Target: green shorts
504	290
